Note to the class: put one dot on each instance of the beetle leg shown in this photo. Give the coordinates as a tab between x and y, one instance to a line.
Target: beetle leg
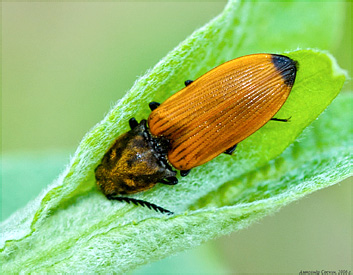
281	119
184	173
188	82
169	181
153	105
133	123
230	150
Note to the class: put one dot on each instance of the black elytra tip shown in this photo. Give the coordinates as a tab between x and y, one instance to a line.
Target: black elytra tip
188	82
286	67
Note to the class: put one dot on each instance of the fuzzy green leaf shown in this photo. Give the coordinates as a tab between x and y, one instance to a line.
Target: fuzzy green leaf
320	157
71	227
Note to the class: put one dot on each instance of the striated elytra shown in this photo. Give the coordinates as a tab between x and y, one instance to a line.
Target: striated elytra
210	116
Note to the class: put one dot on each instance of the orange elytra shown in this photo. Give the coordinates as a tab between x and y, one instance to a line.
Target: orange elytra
210	116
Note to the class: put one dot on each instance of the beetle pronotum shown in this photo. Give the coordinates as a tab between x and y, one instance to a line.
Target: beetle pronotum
210	116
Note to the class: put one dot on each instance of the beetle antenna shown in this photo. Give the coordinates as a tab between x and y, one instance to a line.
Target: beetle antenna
142	203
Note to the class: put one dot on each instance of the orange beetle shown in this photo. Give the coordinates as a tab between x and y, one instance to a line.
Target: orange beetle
210	116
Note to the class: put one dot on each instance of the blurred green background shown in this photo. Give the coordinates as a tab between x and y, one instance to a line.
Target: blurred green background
65	64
